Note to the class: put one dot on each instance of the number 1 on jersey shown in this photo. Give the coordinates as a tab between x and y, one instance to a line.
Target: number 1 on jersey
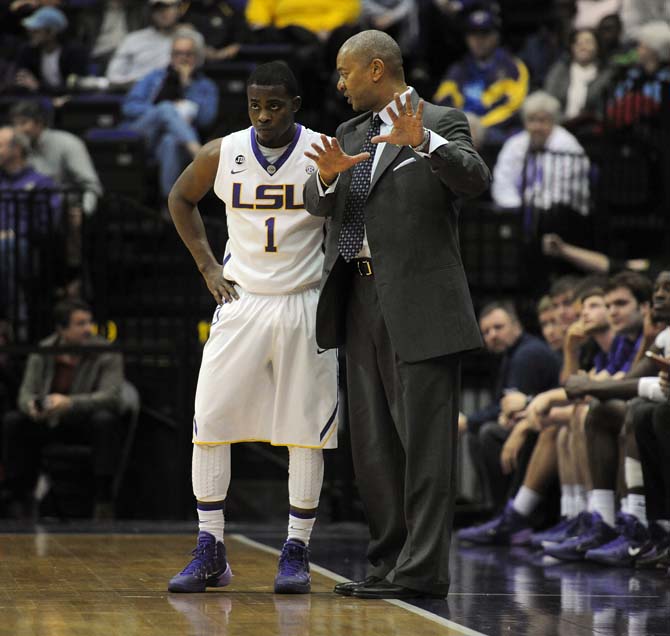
270	242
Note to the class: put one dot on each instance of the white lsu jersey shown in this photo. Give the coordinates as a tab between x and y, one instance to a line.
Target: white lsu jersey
274	245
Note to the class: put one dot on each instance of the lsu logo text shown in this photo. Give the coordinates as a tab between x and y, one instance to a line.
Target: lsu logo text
267	197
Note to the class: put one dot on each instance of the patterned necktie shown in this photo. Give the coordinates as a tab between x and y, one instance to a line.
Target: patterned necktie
350	240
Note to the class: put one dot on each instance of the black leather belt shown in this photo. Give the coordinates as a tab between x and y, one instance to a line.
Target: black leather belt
363	266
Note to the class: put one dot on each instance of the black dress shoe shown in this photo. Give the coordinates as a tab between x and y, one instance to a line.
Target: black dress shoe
347	587
384	589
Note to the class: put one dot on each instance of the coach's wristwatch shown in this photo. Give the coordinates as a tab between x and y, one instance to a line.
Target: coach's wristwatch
424	144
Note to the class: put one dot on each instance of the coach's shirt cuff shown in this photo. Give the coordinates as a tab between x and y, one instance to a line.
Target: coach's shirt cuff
330	189
435	142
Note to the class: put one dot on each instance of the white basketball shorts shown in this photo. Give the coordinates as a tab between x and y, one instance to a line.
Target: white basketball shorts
263	378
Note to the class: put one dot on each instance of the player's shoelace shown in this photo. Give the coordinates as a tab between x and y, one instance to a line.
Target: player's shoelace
292	560
202	553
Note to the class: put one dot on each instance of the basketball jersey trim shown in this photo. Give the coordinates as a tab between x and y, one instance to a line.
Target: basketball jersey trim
268	441
273	168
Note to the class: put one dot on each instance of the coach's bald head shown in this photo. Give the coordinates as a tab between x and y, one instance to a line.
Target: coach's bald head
371	70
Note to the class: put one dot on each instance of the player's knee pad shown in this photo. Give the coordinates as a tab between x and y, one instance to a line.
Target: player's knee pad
210	471
305	477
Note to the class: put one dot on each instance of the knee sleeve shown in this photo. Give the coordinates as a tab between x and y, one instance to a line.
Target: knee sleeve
305	477
210	472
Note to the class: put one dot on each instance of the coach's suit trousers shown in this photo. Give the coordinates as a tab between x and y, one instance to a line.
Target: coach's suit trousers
406	485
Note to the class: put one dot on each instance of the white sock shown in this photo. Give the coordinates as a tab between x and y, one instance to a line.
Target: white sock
210	472
526	501
567	504
579	494
637	506
305	478
637	623
602	502
211	520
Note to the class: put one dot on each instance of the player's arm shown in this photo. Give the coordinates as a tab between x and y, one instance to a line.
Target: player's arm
191	186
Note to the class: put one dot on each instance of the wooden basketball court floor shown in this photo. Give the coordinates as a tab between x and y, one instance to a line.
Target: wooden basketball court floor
56	582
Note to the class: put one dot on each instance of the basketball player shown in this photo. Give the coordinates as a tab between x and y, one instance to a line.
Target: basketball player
262	377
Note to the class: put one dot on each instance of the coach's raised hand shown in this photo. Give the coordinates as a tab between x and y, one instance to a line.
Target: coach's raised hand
407	124
331	159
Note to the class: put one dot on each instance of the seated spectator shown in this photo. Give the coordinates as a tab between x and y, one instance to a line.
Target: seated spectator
68	398
613	51
27	216
591	12
58	154
634	14
578	81
222	24
637	97
45	64
171	105
528	365
544	47
588	260
398	18
489	81
102	28
542	168
146	50
320	17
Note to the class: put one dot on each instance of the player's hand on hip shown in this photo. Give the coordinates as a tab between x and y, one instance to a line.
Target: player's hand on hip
223	290
330	159
407	124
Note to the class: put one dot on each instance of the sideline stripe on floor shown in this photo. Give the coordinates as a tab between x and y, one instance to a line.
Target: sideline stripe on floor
461	629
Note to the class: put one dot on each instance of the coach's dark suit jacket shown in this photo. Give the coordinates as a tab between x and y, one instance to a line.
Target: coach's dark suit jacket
411	220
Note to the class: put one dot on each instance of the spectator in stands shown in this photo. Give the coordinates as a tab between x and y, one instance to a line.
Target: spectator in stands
222	24
27	215
542	168
578	81
46	62
613	52
58	154
588	260
146	50
170	106
102	28
70	397
634	14
544	47
489	81
398	18
320	17
528	365
591	12
638	96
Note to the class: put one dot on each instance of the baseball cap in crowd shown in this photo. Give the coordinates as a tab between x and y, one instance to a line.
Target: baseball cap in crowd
482	20
46	18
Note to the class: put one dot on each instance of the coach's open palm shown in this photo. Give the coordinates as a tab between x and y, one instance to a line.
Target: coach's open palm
407	124
331	159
